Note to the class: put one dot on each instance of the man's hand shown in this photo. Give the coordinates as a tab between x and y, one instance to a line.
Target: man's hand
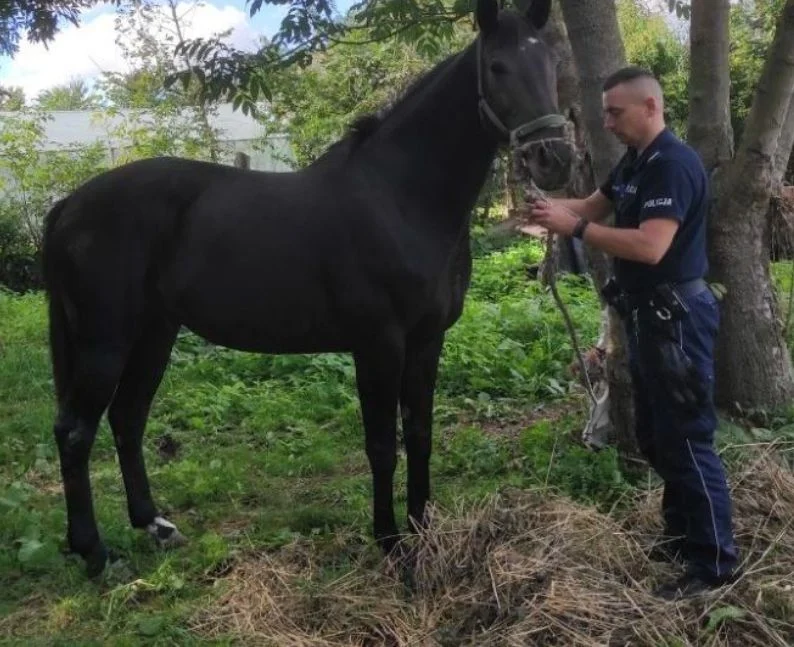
555	218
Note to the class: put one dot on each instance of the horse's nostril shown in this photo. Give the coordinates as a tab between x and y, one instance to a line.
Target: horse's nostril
544	159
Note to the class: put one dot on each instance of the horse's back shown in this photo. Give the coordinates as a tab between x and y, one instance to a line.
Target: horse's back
276	262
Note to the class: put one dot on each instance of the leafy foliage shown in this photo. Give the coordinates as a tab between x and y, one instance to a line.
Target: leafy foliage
277	439
650	43
40	20
74	95
315	105
33	176
752	29
11	98
311	27
30	181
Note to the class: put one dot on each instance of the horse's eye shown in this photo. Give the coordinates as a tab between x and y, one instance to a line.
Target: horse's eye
498	67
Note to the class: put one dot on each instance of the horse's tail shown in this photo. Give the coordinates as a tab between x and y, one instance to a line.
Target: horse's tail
61	345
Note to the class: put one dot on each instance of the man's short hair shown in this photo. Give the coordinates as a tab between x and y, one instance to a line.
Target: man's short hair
627	74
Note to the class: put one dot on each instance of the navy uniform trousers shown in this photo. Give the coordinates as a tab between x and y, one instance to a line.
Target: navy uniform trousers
678	444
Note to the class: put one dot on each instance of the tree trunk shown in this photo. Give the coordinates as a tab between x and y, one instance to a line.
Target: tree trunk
581	182
709	126
597	46
595	59
784	146
753	362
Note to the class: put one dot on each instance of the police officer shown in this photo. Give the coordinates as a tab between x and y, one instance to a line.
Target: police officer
659	193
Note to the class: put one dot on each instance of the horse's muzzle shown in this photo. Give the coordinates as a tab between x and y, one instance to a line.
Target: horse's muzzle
548	161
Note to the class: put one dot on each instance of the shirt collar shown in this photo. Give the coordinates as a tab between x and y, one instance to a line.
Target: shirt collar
651	150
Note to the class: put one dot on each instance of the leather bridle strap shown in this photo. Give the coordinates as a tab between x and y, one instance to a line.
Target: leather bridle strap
522	131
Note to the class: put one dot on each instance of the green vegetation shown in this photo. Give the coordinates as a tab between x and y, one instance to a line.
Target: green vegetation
247	452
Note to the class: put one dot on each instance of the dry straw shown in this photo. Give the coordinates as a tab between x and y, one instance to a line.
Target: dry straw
523	568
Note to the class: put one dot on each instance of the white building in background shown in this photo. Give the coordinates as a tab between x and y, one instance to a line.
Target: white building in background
237	133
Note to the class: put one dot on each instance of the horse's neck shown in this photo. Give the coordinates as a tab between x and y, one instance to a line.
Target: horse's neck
443	153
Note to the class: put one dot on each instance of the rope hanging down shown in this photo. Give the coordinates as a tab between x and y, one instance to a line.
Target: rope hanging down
598	408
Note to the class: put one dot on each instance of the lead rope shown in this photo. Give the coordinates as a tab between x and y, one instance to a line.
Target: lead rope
550	261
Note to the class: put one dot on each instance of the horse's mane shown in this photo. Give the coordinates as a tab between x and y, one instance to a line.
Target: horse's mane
364	126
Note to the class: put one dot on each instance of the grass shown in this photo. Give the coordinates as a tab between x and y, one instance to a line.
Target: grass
524	566
249	452
252	455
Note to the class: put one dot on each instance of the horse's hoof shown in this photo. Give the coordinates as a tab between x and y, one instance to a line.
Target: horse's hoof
96	561
418	525
403	565
399	559
117	570
165	533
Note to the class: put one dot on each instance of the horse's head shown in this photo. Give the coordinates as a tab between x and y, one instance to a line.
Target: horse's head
517	82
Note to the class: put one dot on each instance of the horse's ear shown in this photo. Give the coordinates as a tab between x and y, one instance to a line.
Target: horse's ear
487	15
538	12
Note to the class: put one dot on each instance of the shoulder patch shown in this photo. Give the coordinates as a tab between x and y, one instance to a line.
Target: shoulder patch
658	202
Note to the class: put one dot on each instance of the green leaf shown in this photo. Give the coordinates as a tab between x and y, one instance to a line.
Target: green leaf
28	550
721	614
150	625
719	290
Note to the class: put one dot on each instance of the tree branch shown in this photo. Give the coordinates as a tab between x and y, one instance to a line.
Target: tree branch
445	17
770	108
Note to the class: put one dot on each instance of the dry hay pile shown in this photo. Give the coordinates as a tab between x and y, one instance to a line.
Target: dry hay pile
524	568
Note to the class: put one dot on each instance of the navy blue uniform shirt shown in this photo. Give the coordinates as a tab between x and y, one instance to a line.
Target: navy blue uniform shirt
667	181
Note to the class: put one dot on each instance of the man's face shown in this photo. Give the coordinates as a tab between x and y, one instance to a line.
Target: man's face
626	114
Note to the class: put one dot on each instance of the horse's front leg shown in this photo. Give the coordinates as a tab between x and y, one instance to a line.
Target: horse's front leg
378	372
416	408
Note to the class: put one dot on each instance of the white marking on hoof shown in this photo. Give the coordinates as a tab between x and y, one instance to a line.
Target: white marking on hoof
165	533
162	521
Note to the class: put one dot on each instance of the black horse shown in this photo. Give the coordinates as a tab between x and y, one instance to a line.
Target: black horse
365	251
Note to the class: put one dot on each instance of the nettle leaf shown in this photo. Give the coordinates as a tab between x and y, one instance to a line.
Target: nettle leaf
28	550
722	615
150	625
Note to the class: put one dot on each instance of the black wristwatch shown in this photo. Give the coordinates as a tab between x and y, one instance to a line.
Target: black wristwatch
578	231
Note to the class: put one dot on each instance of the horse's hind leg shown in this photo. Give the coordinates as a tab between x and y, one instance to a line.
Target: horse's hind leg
96	371
127	416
